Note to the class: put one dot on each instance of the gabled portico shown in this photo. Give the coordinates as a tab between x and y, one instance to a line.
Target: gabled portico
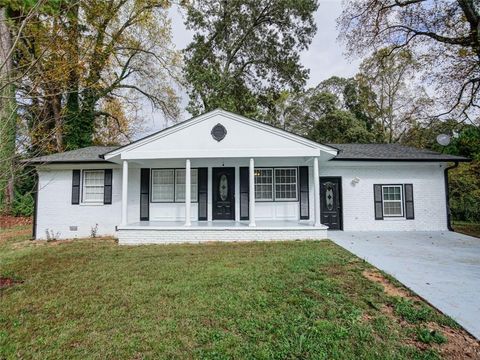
244	175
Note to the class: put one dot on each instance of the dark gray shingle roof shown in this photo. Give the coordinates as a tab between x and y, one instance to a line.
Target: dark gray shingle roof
347	152
87	154
389	152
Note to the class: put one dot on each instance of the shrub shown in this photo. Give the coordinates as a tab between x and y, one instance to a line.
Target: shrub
23	204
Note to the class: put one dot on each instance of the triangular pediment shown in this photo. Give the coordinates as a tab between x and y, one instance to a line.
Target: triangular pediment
220	134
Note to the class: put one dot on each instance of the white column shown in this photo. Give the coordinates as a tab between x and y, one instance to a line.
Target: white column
209	196
237	193
125	192
251	200
188	195
316	183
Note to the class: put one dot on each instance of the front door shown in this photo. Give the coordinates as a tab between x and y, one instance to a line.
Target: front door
223	194
331	202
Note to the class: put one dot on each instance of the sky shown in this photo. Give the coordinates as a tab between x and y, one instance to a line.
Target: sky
325	56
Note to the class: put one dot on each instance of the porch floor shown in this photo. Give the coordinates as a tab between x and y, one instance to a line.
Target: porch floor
223	225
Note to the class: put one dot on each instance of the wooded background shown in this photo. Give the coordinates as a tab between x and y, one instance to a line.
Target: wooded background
77	73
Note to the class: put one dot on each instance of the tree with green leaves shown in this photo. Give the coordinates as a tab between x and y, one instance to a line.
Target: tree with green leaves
72	74
326	113
244	53
353	96
84	57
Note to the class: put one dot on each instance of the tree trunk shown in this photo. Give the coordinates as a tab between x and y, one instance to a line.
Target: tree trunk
57	115
7	117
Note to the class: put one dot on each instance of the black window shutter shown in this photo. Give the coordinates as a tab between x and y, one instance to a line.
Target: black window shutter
409	209
244	193
144	194
202	193
76	187
107	187
304	194
377	191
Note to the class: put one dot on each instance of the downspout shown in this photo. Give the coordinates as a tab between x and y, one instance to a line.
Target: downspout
35	207
447	194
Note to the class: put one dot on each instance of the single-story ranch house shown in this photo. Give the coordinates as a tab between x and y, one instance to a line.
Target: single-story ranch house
223	177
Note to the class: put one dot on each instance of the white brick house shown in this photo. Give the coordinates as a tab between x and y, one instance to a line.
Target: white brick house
224	177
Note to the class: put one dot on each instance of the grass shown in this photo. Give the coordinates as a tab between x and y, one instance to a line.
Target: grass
286	300
472	229
428	336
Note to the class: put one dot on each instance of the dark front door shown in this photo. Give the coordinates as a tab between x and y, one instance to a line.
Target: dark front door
331	202
223	183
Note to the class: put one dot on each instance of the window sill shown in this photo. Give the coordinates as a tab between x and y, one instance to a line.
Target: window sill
394	218
92	204
275	201
172	202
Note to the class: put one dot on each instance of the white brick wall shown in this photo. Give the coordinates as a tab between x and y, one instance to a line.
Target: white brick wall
358	205
56	213
138	237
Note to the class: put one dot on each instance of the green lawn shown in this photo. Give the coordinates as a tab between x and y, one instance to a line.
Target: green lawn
472	229
95	299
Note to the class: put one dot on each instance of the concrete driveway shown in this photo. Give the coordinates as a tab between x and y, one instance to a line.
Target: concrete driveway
441	267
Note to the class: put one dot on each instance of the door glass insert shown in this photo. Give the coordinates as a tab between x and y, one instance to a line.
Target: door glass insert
329	195
223	187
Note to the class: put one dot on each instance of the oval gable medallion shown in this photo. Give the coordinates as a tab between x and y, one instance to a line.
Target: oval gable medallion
219	132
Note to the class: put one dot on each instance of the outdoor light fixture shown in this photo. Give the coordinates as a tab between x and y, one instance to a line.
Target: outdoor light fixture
355	181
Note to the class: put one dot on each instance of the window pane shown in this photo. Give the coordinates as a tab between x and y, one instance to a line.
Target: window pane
393	208
180	184
392	200
93	185
392	193
263	184
286	184
162	185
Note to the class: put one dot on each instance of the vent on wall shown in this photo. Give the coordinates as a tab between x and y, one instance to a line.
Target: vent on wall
73	228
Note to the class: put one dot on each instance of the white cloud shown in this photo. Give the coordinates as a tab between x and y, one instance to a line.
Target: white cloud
325	56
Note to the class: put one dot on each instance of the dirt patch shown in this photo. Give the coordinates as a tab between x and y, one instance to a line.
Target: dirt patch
7	221
14	233
6	282
388	287
459	344
29	243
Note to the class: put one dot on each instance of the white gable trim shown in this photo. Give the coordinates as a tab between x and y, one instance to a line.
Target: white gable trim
229	115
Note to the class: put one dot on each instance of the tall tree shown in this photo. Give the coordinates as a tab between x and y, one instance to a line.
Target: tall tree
7	115
352	95
443	34
323	113
395	105
88	54
244	52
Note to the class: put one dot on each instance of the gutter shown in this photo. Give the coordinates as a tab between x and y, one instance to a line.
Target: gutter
447	195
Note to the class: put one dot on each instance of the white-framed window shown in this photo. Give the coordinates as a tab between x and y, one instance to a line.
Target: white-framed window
286	184
276	184
168	185
180	185
392	199
163	185
93	186
263	184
